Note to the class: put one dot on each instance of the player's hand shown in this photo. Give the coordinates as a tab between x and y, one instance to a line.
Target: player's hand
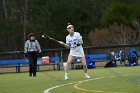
26	55
39	55
72	46
61	42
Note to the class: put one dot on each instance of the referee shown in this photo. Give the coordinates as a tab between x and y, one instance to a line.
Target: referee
32	49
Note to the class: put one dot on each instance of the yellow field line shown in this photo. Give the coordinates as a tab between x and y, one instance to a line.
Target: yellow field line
82	89
76	86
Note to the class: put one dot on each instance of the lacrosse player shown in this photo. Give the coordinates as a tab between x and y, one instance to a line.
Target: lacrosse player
74	42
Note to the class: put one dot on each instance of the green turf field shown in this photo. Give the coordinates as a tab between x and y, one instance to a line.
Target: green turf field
109	80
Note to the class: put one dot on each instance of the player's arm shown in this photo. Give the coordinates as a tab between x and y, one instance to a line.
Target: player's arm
64	44
26	47
80	40
67	44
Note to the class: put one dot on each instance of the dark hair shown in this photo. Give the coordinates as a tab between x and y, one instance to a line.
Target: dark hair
68	23
30	34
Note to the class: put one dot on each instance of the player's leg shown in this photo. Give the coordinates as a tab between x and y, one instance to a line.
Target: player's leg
83	60
30	58
70	59
34	64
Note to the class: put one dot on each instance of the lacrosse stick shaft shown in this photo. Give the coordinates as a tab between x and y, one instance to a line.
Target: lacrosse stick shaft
45	36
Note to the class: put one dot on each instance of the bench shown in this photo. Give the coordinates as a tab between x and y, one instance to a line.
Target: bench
17	63
75	61
94	58
13	63
99	58
53	61
138	53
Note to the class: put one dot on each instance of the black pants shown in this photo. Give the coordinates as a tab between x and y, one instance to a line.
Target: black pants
32	56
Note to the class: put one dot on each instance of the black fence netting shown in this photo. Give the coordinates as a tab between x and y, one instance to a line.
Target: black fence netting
63	53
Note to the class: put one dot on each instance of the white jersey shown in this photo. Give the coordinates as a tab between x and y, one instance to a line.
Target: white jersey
73	40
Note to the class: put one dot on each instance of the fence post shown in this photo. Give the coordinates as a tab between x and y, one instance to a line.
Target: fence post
61	56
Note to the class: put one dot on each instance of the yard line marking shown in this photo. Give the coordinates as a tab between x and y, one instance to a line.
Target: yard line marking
49	89
76	86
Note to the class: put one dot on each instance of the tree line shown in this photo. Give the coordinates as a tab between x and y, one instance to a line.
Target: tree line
101	22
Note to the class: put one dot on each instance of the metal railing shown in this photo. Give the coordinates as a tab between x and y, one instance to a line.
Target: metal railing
63	52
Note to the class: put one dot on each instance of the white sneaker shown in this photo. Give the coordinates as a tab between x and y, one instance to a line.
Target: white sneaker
87	76
66	77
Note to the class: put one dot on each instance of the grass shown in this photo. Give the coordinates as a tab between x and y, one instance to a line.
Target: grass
22	83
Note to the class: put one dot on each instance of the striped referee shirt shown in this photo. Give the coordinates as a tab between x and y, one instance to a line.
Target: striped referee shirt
31	46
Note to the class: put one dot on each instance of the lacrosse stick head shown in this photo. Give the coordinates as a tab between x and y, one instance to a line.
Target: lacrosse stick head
43	36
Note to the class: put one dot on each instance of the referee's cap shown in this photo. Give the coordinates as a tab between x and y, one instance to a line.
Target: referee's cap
30	34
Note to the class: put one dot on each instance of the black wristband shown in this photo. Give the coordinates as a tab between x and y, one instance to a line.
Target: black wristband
78	44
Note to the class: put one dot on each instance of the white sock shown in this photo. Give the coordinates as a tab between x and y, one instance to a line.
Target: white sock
66	74
86	74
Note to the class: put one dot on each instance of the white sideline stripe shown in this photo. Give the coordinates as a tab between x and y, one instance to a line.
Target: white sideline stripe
49	89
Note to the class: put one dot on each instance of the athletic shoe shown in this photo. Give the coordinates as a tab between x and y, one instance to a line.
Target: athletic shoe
30	74
66	77
87	76
34	74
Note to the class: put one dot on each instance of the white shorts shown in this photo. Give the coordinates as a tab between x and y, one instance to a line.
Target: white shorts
77	52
